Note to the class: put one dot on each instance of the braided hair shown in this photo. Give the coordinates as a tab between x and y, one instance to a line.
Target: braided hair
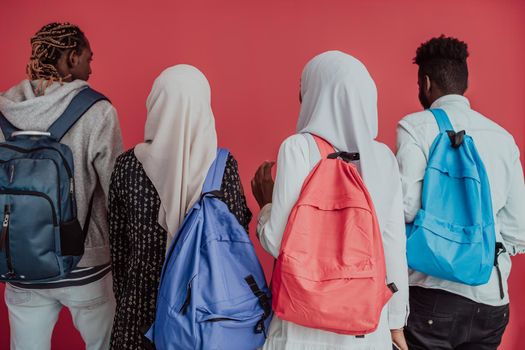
48	45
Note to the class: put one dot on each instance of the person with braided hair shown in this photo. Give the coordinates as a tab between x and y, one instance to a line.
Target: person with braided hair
58	70
60	53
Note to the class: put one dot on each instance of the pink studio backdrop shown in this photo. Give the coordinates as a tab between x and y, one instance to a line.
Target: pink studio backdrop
253	54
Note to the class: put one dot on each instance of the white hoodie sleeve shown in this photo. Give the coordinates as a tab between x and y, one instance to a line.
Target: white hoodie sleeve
292	169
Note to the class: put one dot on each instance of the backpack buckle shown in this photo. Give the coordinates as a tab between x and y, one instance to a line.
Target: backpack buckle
456	138
216	194
345	156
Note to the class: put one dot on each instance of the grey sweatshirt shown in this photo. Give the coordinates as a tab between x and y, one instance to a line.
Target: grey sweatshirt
95	141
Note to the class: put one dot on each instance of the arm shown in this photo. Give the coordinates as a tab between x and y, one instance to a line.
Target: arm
394	242
512	216
412	164
118	239
292	169
105	145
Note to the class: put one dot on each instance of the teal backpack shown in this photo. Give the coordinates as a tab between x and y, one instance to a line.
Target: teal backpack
41	238
453	235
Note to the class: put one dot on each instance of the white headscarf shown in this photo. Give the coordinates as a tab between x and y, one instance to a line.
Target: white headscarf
180	141
339	104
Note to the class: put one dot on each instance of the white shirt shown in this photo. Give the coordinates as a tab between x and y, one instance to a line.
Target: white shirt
297	157
500	155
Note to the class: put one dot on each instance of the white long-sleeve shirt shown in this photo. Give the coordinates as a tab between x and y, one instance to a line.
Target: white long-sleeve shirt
500	155
297	157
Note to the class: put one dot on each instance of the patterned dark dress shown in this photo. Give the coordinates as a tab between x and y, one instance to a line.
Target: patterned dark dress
138	244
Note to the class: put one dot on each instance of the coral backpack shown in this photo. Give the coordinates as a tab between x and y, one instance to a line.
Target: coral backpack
330	273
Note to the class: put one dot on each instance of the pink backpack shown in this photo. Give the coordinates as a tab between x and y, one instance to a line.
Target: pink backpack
330	273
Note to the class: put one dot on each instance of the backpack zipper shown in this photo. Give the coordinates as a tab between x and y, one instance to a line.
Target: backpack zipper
36	194
4	242
66	166
187	301
11	173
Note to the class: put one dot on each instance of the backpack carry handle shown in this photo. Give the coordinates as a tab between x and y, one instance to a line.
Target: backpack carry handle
30	133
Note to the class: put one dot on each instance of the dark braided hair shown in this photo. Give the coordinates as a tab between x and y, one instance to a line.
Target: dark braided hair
444	60
48	45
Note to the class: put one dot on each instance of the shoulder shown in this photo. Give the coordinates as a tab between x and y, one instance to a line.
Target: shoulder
386	156
295	144
231	163
101	114
416	120
489	124
126	160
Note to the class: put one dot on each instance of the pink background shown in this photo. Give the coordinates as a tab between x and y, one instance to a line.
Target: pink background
253	53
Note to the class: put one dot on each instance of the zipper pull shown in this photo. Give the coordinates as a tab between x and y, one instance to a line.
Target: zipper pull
5	228
71	186
11	173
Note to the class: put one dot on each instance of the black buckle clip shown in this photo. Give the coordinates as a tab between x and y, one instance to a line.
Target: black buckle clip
216	194
393	288
345	156
456	138
500	249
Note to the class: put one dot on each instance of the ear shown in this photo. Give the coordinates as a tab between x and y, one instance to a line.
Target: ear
427	83
72	58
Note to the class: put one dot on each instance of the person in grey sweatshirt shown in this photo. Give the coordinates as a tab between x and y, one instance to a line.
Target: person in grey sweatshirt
58	69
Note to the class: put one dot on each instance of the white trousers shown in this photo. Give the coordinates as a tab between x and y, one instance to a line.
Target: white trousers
33	314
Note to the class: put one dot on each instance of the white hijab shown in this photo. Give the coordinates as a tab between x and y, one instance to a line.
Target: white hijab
180	141
339	104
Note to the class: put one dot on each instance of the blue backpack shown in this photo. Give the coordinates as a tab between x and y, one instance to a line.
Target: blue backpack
212	293
453	235
41	239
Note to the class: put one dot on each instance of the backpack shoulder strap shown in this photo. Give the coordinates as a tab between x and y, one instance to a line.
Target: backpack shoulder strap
213	180
7	127
80	104
442	119
325	148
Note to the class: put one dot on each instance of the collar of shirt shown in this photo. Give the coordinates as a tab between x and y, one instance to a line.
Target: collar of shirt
458	100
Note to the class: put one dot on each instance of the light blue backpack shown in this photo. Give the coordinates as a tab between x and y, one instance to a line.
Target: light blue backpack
213	293
453	235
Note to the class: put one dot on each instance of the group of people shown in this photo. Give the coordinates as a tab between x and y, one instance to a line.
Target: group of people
139	198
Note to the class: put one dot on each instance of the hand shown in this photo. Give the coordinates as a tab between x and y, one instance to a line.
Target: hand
262	184
398	338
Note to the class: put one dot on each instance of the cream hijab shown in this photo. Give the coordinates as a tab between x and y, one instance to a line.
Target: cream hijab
180	141
339	104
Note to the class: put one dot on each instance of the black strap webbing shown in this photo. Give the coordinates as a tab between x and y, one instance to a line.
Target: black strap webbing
79	105
263	300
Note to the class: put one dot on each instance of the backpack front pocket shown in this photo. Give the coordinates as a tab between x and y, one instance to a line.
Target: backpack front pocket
30	235
229	332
